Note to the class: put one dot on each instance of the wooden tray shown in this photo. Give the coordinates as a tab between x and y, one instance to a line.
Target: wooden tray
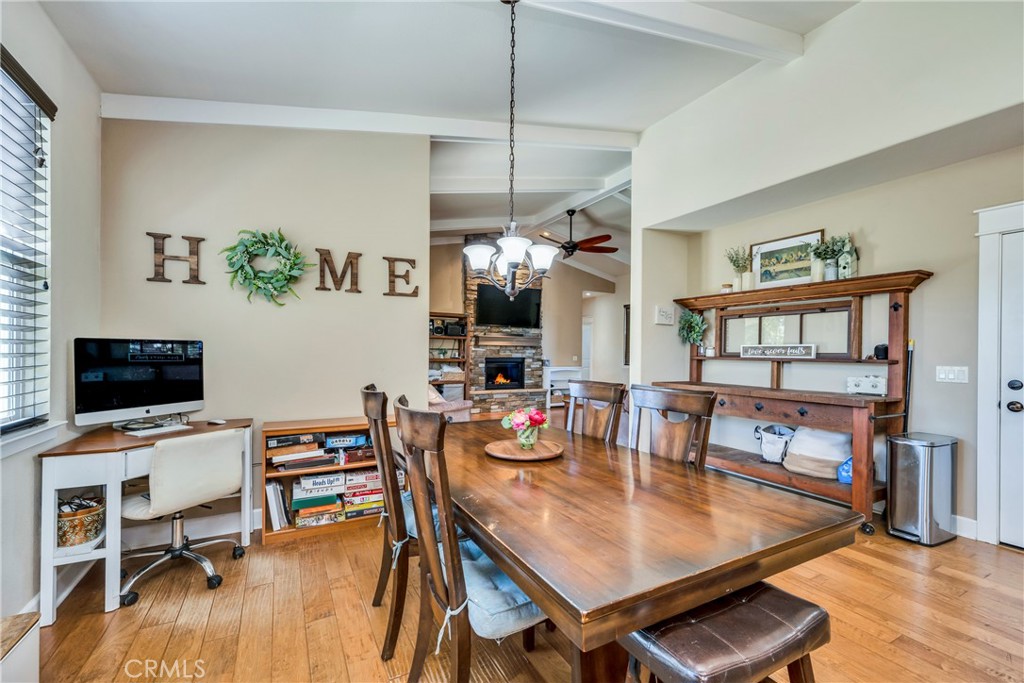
509	449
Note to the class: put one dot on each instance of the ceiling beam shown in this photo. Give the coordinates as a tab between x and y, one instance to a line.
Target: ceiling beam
478	185
616	182
176	110
623	198
687	22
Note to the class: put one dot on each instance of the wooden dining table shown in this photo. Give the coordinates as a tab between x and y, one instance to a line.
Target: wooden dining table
607	540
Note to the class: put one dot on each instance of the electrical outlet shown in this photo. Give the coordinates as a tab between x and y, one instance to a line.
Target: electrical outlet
575	358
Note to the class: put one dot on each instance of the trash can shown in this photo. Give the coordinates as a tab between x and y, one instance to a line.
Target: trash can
920	487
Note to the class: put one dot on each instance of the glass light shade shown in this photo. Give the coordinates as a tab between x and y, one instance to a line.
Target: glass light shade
479	255
502	264
542	256
514	248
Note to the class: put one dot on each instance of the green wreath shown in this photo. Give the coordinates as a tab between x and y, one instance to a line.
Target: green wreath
291	264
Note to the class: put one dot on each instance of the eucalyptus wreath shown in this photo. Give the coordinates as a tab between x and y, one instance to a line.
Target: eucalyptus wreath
291	264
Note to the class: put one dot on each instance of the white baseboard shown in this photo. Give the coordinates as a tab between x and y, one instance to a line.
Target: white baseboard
965	527
159	533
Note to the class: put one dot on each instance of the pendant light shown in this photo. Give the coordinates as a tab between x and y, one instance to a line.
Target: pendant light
499	266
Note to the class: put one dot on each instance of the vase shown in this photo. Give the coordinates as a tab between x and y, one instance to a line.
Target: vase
737	283
831	270
527	437
748	281
817	270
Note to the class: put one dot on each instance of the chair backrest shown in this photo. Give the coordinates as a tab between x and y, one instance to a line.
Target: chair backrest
685	440
375	408
601	406
423	439
195	469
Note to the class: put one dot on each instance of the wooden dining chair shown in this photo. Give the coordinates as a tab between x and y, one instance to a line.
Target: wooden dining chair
680	422
459	585
400	542
600	405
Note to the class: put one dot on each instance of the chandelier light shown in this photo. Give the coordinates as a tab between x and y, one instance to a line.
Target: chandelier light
499	266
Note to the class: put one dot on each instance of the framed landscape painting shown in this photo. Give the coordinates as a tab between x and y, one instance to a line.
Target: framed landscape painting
785	261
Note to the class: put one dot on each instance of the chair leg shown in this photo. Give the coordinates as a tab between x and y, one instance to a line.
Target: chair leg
801	671
549	625
385	570
398	591
426	621
138	573
460	645
529	639
201	561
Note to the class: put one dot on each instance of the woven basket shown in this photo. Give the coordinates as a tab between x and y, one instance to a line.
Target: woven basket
81	526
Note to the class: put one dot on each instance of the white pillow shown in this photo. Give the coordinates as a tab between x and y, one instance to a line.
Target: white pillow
433	396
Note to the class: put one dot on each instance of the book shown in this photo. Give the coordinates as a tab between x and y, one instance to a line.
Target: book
304	455
335	490
346	440
306	499
358	455
362	475
320	509
361	486
373	505
272	506
353	514
367	497
320	520
305	464
293	439
316	481
289	450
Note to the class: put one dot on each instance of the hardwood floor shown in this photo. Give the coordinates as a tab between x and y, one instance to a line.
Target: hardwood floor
300	611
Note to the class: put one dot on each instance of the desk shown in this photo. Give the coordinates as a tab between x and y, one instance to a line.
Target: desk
607	540
106	457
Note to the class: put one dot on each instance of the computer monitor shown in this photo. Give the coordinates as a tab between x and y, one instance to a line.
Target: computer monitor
117	380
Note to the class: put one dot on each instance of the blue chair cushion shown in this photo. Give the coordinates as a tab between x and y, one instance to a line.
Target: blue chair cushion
497	607
410	516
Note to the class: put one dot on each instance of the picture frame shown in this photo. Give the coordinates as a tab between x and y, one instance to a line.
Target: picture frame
785	261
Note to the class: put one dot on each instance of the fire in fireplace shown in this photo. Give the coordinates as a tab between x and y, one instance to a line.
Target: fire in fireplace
504	373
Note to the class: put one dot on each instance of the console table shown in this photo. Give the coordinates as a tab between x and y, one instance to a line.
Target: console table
106	457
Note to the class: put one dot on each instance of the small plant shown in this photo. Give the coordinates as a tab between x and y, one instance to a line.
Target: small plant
691	327
740	259
830	248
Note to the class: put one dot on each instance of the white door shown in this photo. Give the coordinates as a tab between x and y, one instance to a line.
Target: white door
1011	393
587	346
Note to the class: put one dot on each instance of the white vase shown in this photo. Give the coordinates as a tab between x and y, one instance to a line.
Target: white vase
748	281
817	270
737	283
831	270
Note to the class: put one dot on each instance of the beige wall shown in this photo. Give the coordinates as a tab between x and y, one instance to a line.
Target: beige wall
562	311
923	221
356	192
608	352
446	285
74	273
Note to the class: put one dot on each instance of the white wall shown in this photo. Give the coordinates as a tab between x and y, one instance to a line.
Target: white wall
608	352
74	272
561	311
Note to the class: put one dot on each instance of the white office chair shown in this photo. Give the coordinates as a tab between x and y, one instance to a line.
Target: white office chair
186	471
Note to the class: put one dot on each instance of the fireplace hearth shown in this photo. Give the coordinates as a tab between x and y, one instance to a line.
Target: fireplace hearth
504	373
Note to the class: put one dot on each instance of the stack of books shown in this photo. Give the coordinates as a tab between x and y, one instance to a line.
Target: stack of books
363	494
300	451
277	508
316	499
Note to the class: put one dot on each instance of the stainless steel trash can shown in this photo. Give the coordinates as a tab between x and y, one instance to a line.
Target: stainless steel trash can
920	487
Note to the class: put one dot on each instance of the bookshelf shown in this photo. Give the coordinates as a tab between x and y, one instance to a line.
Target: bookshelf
344	425
449	349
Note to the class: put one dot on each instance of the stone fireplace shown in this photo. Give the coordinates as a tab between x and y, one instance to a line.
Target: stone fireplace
504	373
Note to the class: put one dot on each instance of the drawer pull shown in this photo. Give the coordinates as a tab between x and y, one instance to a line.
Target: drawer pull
758	406
802	411
721	401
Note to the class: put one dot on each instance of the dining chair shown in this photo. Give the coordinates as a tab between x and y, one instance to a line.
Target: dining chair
400	542
600	405
679	420
459	585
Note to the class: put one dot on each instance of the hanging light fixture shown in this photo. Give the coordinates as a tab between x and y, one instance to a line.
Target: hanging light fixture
500	267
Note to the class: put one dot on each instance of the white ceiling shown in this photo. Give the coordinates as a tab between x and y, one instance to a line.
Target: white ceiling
600	66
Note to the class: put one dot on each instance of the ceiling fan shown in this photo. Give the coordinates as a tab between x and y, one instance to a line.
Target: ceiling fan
590	244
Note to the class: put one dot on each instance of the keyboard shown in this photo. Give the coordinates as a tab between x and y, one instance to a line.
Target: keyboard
152	431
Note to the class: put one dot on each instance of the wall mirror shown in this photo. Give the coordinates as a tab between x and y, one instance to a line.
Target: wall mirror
829	326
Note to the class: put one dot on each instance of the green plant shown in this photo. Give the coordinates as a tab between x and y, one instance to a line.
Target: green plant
691	327
739	257
291	264
830	248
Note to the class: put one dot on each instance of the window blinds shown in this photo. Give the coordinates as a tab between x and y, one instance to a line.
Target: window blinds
24	258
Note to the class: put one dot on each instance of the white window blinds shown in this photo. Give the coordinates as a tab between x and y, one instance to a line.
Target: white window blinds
24	254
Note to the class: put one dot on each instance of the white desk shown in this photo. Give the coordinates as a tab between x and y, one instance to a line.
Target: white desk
107	458
557	379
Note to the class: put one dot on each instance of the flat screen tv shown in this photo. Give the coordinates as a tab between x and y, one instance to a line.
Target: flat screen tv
125	379
494	308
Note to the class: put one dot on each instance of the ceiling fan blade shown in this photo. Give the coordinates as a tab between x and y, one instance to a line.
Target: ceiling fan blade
552	239
599	250
596	239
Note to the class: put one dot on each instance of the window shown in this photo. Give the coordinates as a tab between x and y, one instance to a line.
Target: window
25	116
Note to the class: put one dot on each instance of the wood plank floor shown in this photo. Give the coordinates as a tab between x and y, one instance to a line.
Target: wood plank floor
300	611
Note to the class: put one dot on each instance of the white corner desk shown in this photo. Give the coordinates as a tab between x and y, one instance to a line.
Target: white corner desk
106	457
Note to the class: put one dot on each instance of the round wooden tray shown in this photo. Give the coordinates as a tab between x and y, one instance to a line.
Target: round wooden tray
509	449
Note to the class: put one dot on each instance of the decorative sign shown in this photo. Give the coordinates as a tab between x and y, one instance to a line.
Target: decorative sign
786	351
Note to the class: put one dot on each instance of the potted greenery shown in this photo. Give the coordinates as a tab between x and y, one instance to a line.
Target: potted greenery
691	328
827	252
739	259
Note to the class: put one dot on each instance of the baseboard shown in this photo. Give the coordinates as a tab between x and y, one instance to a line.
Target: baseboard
965	527
159	533
68	576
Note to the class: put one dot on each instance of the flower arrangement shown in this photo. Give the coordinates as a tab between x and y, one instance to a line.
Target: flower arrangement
526	424
739	258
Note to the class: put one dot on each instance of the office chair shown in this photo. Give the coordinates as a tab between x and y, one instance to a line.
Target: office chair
186	471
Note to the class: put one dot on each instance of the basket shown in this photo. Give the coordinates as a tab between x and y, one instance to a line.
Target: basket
81	526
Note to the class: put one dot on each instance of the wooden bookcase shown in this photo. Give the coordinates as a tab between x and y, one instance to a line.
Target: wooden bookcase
453	346
269	473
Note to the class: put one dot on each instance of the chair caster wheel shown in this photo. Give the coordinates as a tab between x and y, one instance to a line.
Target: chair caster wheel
868	528
124	574
129	598
238	553
214	581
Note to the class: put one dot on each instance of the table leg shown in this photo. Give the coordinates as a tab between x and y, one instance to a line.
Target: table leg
47	545
112	560
606	663
246	501
863	465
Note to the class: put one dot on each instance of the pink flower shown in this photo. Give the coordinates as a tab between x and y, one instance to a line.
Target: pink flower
537	418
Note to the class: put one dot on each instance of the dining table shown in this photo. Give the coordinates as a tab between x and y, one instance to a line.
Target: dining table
606	539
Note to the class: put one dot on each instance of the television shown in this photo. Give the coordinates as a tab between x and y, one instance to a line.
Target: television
117	380
494	308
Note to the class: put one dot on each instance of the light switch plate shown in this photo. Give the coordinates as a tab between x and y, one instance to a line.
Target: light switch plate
664	316
956	374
